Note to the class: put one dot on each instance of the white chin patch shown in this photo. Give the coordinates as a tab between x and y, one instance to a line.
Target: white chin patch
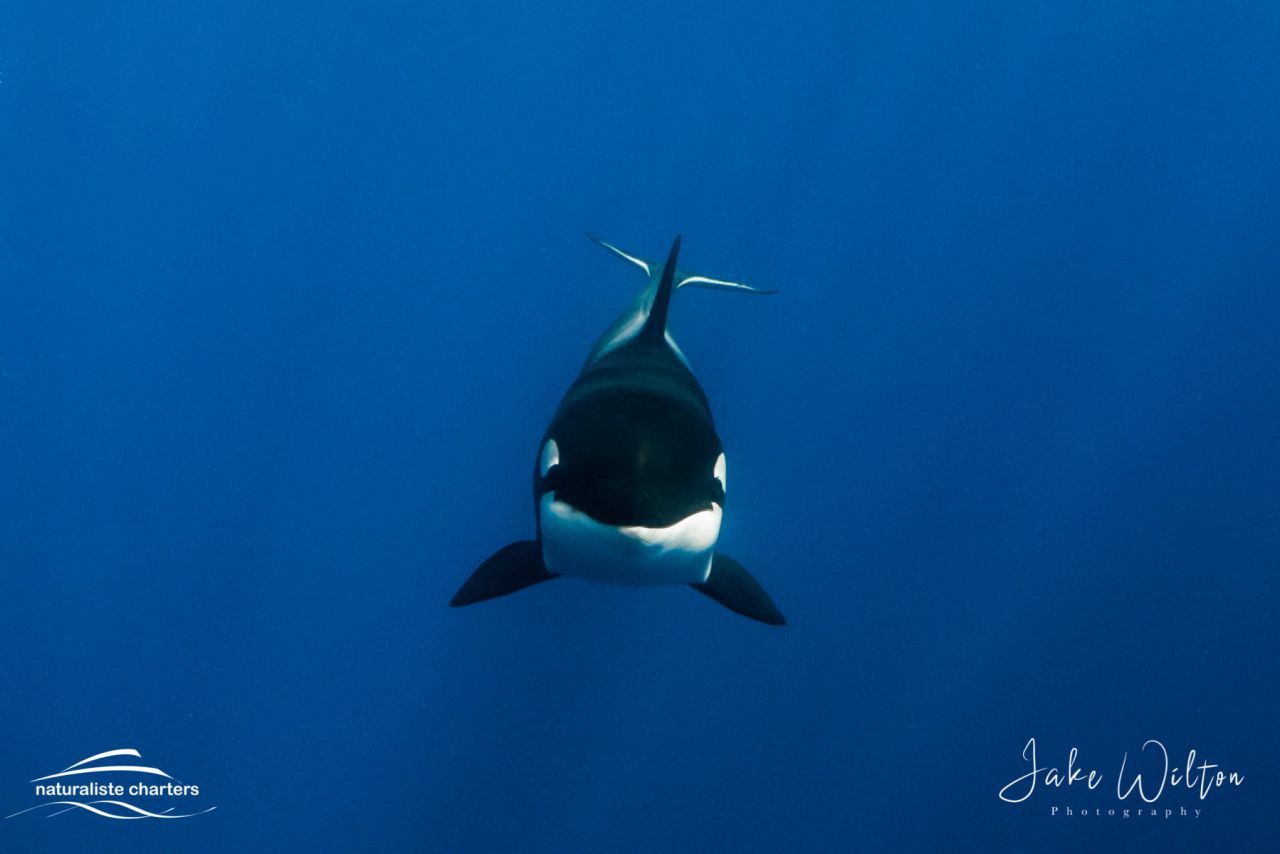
575	544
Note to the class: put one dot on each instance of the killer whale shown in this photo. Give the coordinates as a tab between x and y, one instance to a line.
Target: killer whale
629	483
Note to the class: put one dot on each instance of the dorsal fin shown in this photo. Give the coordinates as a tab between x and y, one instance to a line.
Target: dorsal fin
655	326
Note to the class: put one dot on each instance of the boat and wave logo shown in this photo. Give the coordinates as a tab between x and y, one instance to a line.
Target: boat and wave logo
102	788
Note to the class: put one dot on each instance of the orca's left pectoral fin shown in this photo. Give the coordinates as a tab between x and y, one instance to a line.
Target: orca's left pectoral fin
512	567
733	587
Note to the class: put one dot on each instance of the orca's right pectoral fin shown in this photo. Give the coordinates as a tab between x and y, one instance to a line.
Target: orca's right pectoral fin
512	567
733	587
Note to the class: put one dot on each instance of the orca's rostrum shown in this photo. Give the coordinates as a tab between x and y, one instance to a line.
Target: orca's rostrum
629	483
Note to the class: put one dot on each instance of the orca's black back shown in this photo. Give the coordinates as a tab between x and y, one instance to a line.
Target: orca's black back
636	438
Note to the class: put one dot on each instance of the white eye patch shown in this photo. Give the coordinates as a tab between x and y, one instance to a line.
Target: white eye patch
720	473
550	457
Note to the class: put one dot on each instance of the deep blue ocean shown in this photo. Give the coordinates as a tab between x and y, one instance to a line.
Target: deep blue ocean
289	292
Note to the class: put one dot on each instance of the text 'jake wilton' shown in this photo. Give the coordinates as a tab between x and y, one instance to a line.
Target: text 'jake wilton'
1201	778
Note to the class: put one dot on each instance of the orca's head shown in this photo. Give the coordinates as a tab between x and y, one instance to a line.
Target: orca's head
633	461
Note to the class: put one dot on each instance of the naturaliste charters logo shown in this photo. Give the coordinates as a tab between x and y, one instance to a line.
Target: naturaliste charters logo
1152	775
101	789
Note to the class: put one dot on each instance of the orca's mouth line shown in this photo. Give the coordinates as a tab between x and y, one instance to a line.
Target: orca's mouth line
648	533
573	543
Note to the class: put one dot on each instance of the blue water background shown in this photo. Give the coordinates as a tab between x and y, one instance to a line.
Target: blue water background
289	291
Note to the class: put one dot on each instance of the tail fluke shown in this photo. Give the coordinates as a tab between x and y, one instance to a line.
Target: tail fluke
683	278
626	256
